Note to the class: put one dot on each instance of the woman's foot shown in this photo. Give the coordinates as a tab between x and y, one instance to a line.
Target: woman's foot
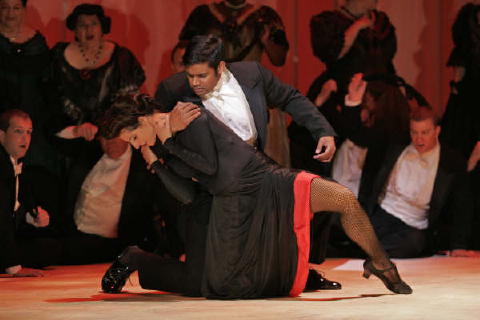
116	276
390	277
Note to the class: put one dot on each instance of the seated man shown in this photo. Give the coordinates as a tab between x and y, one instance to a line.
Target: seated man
421	189
110	201
20	214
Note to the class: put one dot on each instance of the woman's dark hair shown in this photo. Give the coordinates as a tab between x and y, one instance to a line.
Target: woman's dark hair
89	10
124	113
24	3
205	48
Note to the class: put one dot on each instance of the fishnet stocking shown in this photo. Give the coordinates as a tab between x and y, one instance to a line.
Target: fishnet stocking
330	196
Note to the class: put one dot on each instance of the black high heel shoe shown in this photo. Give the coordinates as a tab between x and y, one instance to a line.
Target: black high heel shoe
398	286
116	276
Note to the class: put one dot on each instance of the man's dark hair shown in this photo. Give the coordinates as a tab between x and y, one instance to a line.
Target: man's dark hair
89	10
24	3
204	49
9	114
424	113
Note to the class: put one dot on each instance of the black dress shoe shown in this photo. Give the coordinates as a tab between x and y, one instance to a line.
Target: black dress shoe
316	281
115	277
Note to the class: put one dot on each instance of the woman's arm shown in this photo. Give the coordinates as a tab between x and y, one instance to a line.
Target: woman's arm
195	146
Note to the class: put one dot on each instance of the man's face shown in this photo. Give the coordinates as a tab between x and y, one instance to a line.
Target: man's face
203	78
424	135
16	140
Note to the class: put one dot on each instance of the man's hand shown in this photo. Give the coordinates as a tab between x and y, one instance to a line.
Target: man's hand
39	218
182	115
42	219
356	88
325	149
86	130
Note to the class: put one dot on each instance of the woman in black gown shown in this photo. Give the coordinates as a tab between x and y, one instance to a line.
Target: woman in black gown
258	236
460	124
89	72
24	61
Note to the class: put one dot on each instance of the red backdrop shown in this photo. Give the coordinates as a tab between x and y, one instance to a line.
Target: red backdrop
150	28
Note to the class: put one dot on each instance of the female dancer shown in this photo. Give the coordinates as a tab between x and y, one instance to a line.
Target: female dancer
258	236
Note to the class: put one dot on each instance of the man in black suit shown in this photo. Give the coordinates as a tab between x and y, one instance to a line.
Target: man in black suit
239	95
420	201
22	219
110	201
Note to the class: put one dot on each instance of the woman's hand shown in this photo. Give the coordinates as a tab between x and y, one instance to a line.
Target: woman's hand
328	88
148	155
366	21
356	90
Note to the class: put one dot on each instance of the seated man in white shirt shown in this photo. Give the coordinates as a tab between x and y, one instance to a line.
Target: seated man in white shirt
420	195
20	214
110	201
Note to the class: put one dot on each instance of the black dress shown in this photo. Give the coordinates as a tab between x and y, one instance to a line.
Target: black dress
83	95
253	249
241	33
23	75
460	124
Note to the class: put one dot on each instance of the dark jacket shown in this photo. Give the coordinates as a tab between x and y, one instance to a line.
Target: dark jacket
262	90
451	200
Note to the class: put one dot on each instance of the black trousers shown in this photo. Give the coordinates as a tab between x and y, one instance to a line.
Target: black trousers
172	275
399	239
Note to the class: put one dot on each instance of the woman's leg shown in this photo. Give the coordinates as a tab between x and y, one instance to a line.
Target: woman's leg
330	196
327	195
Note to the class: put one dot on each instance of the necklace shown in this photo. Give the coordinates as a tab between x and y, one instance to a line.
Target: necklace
93	59
235	6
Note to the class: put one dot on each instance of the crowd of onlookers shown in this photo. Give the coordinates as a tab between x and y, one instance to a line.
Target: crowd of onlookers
69	196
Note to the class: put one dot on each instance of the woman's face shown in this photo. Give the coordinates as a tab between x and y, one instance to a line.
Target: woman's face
11	12
88	29
143	135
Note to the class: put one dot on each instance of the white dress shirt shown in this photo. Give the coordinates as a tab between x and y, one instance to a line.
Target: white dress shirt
348	165
410	186
228	103
98	206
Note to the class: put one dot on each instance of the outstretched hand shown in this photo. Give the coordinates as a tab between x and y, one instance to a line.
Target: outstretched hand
182	114
356	88
325	149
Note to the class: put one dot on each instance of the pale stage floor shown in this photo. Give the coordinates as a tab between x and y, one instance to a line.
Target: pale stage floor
444	288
